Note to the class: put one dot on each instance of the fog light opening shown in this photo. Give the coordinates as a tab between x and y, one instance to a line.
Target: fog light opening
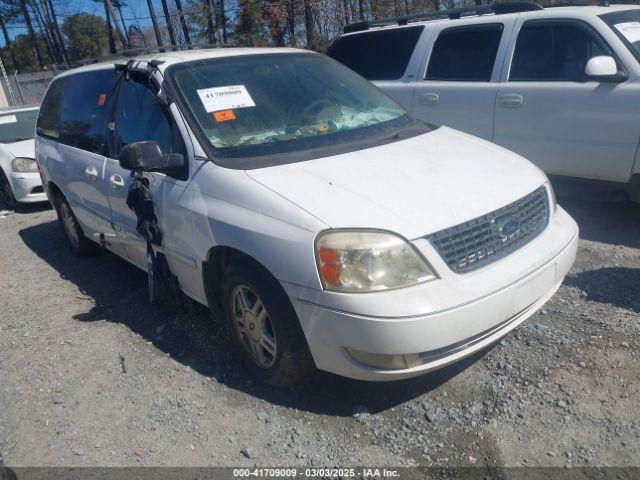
386	362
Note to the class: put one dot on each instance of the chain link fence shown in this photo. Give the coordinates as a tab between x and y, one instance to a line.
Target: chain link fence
24	88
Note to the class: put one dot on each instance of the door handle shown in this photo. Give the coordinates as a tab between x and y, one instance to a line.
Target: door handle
91	172
117	183
429	99
512	100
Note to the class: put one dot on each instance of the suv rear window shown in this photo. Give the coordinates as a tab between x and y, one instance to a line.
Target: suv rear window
378	54
465	54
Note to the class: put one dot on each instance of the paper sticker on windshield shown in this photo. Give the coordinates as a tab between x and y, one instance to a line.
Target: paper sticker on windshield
225	98
630	30
8	119
224	116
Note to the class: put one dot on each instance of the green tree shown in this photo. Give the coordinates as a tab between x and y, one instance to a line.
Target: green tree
86	36
22	52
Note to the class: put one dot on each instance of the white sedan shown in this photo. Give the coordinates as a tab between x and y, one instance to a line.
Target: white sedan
19	177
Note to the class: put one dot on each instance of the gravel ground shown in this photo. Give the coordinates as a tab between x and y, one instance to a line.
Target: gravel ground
90	375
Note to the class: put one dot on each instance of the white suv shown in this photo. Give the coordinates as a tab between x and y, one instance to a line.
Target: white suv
560	86
330	227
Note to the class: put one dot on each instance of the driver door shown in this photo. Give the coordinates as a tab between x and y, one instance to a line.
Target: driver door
140	115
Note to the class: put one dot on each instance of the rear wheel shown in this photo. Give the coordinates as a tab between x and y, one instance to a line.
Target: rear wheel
78	243
264	327
6	192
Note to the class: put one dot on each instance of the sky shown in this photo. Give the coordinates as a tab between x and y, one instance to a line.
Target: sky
136	12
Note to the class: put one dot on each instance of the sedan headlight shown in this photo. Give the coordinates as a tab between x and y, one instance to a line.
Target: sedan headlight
368	261
24	165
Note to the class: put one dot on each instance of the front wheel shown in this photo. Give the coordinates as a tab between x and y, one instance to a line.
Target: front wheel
6	192
264	327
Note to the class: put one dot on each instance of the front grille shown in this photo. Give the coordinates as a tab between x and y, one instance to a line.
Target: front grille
483	240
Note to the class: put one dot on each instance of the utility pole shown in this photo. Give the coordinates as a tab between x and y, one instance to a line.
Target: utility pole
112	41
124	26
167	19
154	21
183	23
121	36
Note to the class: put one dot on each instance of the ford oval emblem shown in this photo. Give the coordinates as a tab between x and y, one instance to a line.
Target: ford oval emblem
509	227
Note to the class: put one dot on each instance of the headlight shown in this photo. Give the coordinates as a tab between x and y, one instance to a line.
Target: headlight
368	261
24	165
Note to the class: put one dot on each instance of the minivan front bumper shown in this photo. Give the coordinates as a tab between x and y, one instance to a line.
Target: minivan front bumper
346	336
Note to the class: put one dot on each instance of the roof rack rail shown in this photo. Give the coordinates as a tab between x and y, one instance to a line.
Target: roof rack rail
134	52
602	3
452	13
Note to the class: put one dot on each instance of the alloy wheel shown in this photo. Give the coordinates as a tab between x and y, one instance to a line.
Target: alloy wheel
253	326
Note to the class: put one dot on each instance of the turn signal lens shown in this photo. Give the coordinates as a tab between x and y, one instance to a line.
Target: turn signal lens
368	261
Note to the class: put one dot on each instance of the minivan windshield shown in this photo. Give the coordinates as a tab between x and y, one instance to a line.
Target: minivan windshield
18	126
268	104
626	24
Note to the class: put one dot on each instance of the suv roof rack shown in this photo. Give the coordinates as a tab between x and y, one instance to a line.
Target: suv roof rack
452	13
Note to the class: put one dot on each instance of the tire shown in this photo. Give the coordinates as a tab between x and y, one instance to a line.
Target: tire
288	360
78	243
6	192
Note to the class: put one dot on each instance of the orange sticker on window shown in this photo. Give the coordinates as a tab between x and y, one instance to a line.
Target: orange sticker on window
102	99
224	115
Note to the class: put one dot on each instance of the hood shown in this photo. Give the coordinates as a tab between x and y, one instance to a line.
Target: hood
412	187
25	148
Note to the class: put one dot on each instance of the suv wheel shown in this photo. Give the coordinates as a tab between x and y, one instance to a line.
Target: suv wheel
78	243
6	192
264	327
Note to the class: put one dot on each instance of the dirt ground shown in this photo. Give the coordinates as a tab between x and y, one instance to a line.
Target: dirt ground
91	375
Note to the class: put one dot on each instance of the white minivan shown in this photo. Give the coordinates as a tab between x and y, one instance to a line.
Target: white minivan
331	228
560	86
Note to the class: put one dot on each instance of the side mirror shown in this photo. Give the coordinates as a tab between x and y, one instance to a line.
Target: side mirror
147	156
603	68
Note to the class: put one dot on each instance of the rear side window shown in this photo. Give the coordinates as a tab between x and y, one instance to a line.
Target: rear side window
553	52
465	54
49	119
76	108
378	54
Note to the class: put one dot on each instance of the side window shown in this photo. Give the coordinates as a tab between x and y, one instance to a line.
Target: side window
85	107
49	118
140	116
377	54
553	52
465	54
